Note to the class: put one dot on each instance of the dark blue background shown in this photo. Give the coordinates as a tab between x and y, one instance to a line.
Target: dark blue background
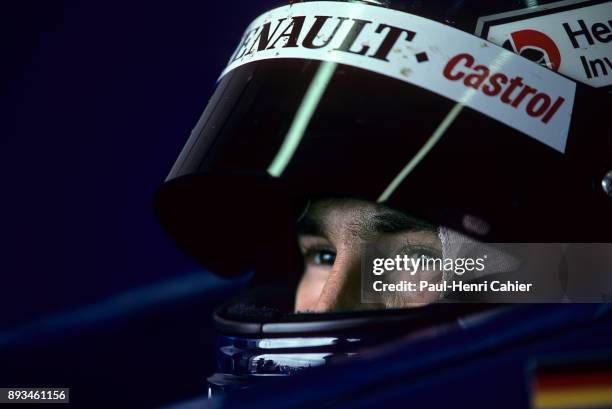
98	99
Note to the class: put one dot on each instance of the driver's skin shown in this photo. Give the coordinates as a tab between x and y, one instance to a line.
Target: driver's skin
331	234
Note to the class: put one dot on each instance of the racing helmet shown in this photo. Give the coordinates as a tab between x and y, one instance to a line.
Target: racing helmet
489	120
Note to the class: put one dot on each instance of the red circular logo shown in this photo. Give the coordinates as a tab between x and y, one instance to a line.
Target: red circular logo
535	46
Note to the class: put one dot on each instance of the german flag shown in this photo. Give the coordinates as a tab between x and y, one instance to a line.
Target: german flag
572	387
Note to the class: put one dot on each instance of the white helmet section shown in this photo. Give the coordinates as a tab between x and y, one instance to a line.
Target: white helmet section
422	52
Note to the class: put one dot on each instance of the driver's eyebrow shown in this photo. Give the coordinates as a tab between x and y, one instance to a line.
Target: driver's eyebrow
365	225
387	220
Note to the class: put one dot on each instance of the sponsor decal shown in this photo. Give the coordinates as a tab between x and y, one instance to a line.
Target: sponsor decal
535	46
571	37
511	91
421	52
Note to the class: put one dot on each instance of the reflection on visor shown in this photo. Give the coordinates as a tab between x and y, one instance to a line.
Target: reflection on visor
275	343
278	363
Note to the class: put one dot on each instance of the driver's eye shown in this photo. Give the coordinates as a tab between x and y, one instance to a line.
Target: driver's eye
320	257
421	252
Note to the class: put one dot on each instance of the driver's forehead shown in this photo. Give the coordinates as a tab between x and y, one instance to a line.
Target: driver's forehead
337	219
332	217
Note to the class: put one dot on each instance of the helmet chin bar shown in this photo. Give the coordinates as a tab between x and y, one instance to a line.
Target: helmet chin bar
250	352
